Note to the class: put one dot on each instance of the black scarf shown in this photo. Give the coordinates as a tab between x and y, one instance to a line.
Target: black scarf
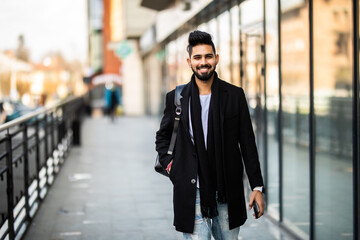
210	169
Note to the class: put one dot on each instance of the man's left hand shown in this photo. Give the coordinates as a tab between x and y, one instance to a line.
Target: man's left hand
257	196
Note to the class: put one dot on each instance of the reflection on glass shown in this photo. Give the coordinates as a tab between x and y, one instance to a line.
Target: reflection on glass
235	50
295	115
252	62
272	101
224	46
333	117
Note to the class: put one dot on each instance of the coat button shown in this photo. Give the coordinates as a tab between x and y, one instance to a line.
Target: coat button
193	181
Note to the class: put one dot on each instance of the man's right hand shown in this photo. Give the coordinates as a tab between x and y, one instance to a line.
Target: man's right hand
257	196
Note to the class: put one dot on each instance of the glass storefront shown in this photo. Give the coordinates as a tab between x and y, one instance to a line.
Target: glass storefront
272	104
333	94
252	66
265	48
224	46
295	87
235	46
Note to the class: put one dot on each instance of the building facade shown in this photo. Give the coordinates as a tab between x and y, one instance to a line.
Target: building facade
298	62
115	27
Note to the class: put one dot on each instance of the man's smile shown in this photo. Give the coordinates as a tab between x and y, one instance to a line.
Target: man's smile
204	69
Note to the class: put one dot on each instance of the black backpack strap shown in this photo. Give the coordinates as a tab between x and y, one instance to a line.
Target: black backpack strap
178	96
178	110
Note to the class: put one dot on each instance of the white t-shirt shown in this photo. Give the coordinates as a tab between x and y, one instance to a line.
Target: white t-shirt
205	105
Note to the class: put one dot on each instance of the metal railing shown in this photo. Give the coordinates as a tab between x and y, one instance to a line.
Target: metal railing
32	150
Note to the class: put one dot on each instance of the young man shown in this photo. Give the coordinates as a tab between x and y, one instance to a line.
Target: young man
215	137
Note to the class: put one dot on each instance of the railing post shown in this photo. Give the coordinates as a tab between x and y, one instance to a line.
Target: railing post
52	136
61	130
10	187
26	171
37	157
46	152
52	132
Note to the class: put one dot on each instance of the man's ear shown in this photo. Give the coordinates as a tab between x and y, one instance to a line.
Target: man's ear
217	58
188	61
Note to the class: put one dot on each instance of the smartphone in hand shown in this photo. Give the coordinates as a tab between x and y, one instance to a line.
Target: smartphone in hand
256	210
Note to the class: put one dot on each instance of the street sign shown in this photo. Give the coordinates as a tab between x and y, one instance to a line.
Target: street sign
123	50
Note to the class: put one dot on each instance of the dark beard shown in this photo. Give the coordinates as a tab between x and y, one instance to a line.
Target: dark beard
203	77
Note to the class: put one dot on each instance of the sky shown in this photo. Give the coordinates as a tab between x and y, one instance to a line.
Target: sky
47	26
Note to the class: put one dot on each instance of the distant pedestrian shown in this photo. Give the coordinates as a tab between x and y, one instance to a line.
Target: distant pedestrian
215	140
112	99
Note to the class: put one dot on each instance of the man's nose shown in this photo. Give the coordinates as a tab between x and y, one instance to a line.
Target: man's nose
203	61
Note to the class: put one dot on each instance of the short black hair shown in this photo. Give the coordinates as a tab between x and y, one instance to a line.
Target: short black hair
198	37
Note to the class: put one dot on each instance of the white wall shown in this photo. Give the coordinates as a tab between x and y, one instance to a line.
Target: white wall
153	79
133	83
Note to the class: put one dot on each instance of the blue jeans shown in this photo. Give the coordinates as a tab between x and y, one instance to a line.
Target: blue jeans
218	226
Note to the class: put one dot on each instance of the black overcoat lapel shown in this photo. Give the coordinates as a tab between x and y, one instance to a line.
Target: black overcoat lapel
223	95
185	108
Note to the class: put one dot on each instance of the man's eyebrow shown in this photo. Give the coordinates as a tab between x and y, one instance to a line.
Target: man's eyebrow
199	55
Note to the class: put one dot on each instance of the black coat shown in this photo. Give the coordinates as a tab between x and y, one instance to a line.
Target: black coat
236	129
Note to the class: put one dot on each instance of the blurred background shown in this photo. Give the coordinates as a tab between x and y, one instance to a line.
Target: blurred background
296	59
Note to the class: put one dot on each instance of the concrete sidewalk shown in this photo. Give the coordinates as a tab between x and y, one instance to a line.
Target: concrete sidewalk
107	189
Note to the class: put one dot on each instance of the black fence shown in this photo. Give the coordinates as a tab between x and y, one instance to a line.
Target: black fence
32	150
